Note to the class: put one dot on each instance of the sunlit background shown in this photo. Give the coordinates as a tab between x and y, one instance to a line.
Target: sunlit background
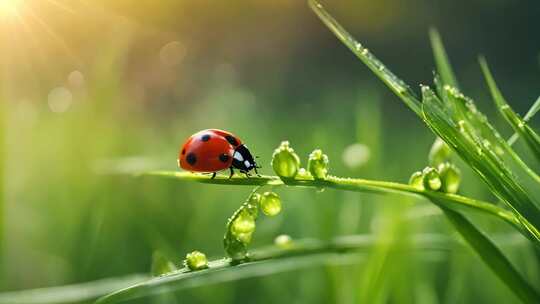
94	90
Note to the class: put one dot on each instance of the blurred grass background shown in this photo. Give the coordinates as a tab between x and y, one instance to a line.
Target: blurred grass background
94	89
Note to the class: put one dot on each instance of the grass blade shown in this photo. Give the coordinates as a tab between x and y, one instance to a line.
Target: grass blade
493	257
518	124
75	293
470	143
451	201
530	114
469	133
444	68
398	86
266	261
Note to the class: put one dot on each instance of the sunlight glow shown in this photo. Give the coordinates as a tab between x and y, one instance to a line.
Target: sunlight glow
10	8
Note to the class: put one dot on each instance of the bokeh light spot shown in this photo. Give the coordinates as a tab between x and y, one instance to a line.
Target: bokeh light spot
172	53
356	155
76	79
60	99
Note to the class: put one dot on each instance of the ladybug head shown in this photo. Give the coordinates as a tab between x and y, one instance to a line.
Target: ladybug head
243	160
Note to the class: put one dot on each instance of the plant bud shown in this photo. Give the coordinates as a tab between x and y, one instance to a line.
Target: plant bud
432	180
318	164
450	177
196	260
417	180
285	162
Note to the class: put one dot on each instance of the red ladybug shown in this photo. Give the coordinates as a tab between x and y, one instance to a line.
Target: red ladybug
214	150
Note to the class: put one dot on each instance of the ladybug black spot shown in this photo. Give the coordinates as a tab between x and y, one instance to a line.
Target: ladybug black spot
231	140
205	137
183	151
224	157
191	158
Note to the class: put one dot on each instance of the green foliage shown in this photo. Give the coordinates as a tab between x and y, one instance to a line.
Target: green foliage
272	259
456	120
519	124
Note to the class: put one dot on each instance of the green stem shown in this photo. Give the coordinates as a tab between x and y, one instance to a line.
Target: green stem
451	201
299	254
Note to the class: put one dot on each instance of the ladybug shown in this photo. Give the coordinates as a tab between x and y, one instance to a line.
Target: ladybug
213	150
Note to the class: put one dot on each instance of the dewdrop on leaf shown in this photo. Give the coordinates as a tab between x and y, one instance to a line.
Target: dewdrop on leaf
285	162
318	164
417	180
450	177
244	223
270	204
196	260
432	180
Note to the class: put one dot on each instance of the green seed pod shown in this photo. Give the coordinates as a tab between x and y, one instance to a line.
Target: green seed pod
244	223
196	260
270	203
318	164
283	241
439	153
450	177
285	162
432	180
417	180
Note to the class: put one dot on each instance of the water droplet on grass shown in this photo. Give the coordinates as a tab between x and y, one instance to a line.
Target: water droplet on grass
432	180
270	204
244	223
417	180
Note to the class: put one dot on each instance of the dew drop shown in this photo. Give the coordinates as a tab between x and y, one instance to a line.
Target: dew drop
270	204
450	177
244	223
196	260
432	180
416	180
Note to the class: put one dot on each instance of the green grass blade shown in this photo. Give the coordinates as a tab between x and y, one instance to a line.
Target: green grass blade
518	124
533	110
493	257
469	142
71	294
530	114
441	59
266	261
398	86
451	201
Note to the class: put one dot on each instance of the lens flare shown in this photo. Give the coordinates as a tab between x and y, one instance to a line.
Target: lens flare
10	8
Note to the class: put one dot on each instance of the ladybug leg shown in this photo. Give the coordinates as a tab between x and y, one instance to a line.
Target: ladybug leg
232	172
256	172
213	175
